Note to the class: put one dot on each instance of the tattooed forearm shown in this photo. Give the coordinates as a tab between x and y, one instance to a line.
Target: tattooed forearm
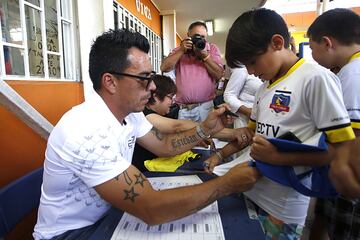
185	140
213	197
157	133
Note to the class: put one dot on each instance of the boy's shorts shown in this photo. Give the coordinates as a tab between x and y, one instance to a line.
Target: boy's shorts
342	217
276	229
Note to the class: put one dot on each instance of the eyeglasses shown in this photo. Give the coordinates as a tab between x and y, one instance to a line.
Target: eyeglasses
171	97
140	78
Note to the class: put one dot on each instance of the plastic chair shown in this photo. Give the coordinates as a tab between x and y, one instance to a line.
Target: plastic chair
18	199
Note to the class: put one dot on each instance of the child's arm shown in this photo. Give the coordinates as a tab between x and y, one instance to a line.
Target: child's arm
262	149
219	156
345	170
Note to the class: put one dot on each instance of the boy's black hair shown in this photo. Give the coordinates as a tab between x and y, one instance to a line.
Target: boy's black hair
195	24
251	33
340	23
164	86
109	52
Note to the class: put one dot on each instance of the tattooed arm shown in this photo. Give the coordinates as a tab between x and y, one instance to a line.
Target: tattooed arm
131	192
164	145
169	125
171	144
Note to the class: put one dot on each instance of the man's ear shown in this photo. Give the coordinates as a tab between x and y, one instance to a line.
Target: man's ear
277	42
109	83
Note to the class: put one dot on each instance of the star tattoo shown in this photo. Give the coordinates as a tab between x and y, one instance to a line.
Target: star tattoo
130	194
140	179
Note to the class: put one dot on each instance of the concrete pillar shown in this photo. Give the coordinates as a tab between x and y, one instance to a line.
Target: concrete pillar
169	30
91	24
325	6
322	6
318	7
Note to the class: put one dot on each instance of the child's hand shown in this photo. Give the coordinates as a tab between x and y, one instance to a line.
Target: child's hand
211	162
263	150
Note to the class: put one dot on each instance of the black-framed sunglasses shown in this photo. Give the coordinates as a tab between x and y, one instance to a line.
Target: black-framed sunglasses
150	78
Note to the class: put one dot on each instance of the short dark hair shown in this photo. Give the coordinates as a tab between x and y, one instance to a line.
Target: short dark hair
164	86
109	53
340	23
251	33
195	24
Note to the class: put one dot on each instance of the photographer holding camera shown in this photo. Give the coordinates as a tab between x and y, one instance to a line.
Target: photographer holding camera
198	66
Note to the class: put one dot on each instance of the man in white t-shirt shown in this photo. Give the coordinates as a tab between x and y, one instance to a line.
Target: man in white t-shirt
88	157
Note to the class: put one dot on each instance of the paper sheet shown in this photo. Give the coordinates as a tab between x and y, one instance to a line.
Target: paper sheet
203	225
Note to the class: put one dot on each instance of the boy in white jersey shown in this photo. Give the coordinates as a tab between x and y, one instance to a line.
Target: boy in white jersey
296	96
335	43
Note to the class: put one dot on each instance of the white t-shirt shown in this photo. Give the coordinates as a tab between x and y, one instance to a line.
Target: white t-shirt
86	148
240	91
305	101
349	76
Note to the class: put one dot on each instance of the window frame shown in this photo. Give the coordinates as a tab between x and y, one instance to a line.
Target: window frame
68	50
154	40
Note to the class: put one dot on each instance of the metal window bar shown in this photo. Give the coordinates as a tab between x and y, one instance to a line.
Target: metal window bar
129	21
25	40
44	40
60	39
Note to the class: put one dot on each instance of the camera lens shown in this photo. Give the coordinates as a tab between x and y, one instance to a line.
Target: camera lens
200	45
198	42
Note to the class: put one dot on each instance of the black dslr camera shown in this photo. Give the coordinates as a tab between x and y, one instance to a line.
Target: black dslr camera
198	41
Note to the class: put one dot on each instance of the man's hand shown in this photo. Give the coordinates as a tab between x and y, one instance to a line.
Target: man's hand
345	171
186	44
216	120
201	53
263	150
241	177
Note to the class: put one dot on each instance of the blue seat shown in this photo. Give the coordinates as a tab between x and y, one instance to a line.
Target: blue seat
18	199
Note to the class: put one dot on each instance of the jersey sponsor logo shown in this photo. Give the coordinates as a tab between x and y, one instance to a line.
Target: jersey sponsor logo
280	103
267	129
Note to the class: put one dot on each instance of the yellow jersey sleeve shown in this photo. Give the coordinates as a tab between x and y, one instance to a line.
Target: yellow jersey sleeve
340	134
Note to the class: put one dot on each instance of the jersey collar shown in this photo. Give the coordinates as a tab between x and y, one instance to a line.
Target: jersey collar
355	55
292	69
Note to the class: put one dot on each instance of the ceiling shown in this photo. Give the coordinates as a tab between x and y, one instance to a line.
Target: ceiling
223	12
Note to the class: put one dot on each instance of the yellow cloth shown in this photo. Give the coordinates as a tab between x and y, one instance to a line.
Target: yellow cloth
169	164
